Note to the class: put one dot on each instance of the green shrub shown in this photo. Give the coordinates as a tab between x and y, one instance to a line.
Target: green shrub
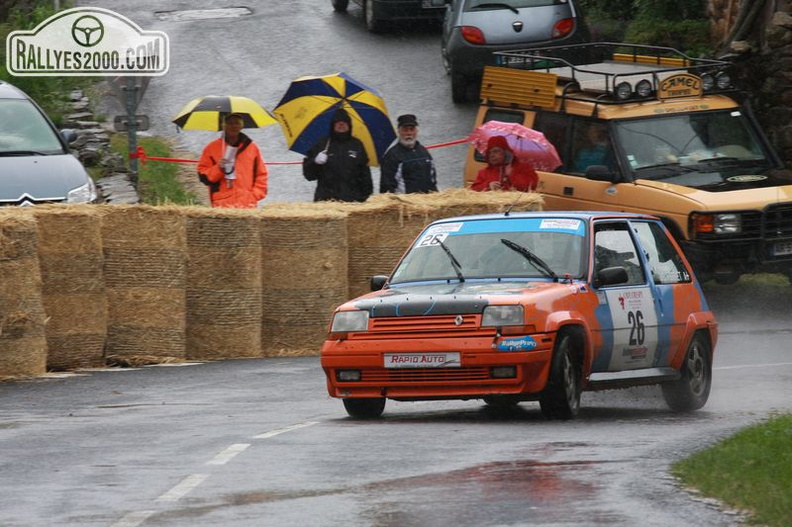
669	10
689	36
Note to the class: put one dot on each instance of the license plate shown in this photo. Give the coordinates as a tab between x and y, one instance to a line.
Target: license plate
423	360
782	248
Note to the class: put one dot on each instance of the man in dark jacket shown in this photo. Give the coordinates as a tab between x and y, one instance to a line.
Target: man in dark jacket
339	164
407	166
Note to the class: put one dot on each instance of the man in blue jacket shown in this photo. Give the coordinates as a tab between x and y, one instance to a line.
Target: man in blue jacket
407	166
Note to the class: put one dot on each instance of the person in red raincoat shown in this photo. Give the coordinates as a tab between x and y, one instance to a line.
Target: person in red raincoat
233	169
503	170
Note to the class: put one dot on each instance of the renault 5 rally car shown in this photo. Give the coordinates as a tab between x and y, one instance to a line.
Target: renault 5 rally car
522	307
649	129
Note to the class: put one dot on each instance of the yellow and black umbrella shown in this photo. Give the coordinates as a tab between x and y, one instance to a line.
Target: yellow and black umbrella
305	112
207	113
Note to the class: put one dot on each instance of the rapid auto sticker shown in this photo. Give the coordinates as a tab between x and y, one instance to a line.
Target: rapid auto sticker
526	343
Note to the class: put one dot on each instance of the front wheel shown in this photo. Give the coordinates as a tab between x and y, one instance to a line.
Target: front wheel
692	390
340	6
561	397
368	408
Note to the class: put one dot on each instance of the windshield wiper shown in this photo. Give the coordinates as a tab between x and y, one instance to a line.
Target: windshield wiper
22	153
496	4
454	262
531	257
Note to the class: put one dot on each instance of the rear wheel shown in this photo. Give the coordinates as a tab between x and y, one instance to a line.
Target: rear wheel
459	87
692	390
340	5
561	398
368	408
373	24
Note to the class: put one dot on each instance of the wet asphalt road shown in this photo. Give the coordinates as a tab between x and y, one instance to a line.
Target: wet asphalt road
260	54
259	442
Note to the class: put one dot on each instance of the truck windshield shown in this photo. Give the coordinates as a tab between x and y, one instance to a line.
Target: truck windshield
688	139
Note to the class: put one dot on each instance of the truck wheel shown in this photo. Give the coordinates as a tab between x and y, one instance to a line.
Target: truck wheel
340	6
692	390
373	24
368	408
561	397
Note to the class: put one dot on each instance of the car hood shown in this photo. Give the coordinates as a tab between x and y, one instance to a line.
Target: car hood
498	25
455	298
44	178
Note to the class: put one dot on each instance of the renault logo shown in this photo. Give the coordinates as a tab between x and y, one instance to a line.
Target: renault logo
517	26
458	320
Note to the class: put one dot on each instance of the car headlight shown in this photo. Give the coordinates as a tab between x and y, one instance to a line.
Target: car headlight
499	316
726	223
82	194
346	321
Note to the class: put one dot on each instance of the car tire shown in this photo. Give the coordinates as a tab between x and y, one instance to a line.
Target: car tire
340	6
692	390
368	408
373	24
561	397
459	87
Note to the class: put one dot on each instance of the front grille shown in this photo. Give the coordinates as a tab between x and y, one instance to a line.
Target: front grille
440	375
422	325
778	221
26	201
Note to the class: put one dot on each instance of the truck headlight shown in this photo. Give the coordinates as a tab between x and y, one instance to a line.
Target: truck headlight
726	223
499	316
346	321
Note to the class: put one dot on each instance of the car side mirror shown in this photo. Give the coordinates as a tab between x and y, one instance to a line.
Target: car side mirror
611	276
378	282
68	135
601	173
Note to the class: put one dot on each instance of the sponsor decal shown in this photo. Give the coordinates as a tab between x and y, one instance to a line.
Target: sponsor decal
517	344
87	41
748	178
680	85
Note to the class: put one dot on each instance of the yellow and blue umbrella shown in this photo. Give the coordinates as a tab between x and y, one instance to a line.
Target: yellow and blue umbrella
306	109
207	113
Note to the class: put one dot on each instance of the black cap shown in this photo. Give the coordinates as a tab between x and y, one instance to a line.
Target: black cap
407	120
341	115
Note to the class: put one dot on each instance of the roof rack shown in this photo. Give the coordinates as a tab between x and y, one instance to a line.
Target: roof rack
620	71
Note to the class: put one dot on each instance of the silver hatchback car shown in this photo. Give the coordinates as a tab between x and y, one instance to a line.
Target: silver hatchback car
474	29
35	164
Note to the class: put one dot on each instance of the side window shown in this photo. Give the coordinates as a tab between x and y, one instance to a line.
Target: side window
504	116
614	247
664	262
591	145
555	128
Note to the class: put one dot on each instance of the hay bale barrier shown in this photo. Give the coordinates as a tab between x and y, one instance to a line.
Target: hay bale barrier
23	342
73	287
304	276
145	254
223	284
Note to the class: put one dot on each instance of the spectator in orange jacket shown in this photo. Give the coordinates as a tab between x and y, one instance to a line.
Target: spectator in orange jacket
503	170
233	169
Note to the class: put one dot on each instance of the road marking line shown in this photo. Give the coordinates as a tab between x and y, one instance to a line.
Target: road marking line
133	519
753	366
228	454
278	431
182	488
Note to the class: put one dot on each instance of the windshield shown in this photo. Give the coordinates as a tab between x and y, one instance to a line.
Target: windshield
478	249
689	139
24	130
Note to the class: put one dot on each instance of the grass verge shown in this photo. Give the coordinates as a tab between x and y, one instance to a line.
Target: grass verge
751	470
158	182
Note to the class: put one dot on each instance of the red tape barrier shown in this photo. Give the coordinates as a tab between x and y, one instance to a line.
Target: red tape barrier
141	154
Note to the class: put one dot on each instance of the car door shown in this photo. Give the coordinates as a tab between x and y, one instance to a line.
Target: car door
627	312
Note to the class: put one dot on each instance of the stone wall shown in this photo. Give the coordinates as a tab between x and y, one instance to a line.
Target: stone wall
762	51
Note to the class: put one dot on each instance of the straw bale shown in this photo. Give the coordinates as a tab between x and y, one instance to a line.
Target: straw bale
304	277
23	345
73	290
145	257
223	284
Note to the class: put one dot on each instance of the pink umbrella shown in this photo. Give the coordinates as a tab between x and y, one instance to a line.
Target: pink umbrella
529	146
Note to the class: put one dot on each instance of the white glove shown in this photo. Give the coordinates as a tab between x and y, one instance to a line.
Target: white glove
321	158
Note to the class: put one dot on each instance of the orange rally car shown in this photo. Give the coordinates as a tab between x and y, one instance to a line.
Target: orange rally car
526	306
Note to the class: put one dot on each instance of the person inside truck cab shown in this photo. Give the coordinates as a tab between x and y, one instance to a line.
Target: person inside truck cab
593	148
